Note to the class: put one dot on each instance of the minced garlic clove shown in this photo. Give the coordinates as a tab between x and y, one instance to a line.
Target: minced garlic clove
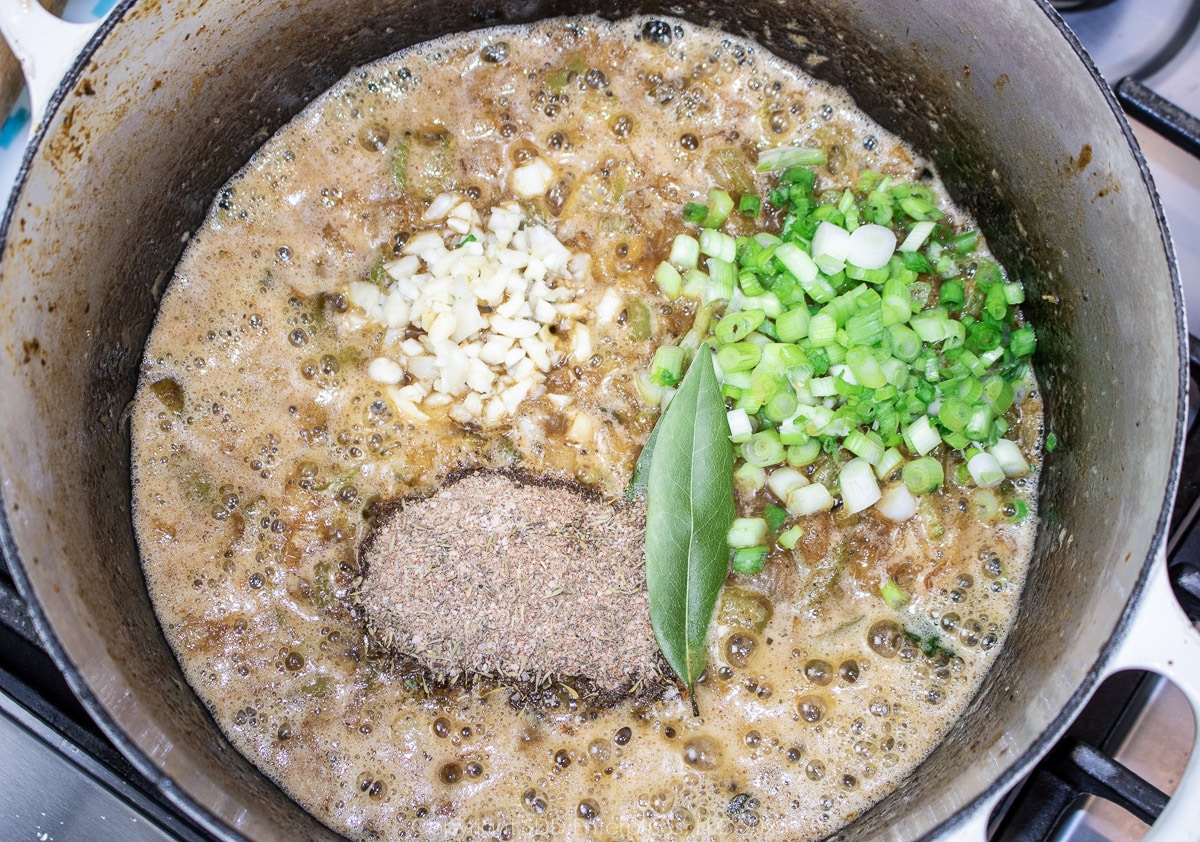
494	303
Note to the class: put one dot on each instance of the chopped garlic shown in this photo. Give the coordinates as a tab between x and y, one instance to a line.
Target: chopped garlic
532	179
610	306
384	370
491	304
582	429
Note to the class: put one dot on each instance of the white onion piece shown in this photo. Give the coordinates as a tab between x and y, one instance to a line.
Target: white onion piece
858	486
871	246
831	241
897	503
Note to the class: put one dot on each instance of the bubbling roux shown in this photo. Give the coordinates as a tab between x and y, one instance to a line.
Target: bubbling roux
286	402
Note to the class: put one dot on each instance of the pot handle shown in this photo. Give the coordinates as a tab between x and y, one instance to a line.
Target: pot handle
46	46
1162	639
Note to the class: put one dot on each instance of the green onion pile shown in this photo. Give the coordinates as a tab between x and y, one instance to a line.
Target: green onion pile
867	324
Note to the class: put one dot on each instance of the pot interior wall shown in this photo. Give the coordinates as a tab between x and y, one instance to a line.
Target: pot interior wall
177	99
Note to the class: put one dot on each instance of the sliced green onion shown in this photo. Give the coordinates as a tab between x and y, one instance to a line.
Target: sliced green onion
957	441
746	532
685	252
979	425
921	437
951	294
903	342
775	516
1009	457
893	594
722	280
984	505
740	428
985	470
651	392
1019	511
667	367
1022	342
897	503
764	449
917	236
695	212
865	368
738	356
695	283
766	385
783	157
857	485
822	330
793	325
718	244
888	463
669	280
749	205
923	475
997	394
749	478
863	445
741	379
823	387
720	205
966	242
783	481
748	560
995	304
866	326
954	414
931	329
735	327
790	537
780	406
798	262
799	455
750	283
809	500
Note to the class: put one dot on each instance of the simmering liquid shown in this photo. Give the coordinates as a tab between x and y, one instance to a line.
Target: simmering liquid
262	449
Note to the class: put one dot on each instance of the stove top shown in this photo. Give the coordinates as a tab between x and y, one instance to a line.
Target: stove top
61	780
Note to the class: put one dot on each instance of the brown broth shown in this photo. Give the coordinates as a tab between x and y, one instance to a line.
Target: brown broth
260	445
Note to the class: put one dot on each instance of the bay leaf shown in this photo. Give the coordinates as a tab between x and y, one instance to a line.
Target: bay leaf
689	509
641	469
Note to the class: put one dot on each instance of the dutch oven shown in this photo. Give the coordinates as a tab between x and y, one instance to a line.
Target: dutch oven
167	100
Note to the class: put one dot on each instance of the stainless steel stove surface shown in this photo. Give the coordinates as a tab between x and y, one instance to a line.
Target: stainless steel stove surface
60	780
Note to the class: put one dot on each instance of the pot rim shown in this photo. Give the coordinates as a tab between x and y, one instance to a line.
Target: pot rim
197	812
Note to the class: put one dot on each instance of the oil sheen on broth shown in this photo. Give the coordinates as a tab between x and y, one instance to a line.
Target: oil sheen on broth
261	445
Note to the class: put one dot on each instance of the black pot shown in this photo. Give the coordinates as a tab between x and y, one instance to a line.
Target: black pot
169	100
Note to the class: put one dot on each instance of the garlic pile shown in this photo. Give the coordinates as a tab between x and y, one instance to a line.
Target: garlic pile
469	310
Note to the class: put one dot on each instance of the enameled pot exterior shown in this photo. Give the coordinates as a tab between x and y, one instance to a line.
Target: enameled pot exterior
171	99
